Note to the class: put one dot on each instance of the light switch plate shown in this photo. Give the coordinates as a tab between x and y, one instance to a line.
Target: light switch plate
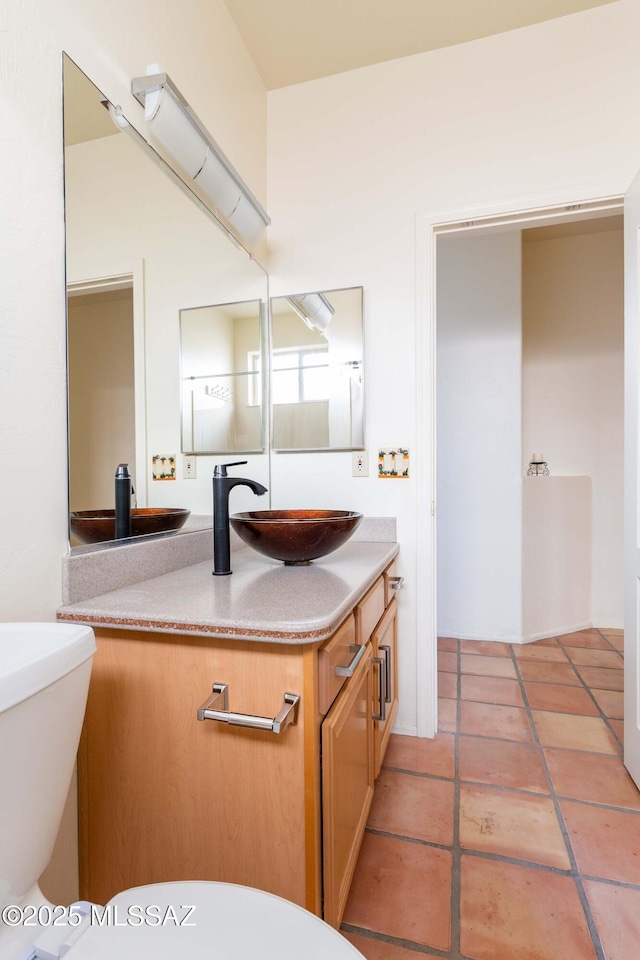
393	463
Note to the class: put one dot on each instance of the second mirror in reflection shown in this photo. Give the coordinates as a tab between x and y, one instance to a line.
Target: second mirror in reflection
316	371
222	348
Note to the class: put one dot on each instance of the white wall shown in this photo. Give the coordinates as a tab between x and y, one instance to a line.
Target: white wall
479	485
200	47
537	115
573	403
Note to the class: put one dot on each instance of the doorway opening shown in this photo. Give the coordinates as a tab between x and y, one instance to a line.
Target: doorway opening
432	231
530	357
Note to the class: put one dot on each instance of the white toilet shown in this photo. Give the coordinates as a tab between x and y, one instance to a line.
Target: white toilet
44	678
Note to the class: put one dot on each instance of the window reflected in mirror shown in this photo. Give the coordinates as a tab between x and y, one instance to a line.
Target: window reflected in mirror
317	371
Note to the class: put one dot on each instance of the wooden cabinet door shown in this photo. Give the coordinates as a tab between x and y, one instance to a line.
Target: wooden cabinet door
164	797
385	647
347	785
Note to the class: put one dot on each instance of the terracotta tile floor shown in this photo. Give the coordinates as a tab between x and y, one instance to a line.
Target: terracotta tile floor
515	834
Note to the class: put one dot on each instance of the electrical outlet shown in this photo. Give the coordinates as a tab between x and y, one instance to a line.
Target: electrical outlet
189	468
360	463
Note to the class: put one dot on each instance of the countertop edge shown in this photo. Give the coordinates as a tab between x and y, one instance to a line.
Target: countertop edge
320	632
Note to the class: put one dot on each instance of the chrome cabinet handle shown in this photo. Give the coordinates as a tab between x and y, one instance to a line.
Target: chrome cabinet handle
387	671
382	663
396	583
216	707
350	669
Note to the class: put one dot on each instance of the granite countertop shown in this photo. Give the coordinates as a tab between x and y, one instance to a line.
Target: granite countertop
263	600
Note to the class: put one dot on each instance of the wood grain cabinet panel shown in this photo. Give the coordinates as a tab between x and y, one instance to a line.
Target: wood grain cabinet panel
347	785
166	797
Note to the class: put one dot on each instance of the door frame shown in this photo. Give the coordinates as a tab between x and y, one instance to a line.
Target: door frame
561	206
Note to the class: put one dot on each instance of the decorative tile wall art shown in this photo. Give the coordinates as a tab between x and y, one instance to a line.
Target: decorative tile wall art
163	466
393	463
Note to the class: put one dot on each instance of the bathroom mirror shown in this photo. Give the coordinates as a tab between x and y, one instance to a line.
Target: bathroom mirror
221	350
317	388
141	250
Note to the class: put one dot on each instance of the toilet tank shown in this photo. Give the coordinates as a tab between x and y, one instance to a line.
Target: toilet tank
44	679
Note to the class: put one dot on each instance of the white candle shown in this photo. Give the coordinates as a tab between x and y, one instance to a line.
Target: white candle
537	458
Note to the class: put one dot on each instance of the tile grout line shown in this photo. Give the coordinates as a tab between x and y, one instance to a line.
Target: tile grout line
601	713
577	878
607	640
418	948
499	787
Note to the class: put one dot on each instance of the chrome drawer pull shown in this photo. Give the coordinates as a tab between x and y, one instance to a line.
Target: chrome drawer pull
396	583
387	671
382	662
350	669
216	707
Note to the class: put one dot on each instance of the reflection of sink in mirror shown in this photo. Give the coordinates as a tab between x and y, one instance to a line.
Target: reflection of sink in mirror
295	536
96	526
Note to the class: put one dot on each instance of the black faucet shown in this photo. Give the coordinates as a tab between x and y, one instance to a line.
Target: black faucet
222	485
124	492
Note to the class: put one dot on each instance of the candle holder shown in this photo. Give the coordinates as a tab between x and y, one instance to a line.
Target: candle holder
538	468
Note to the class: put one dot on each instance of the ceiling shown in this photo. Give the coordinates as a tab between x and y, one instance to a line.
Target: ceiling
292	41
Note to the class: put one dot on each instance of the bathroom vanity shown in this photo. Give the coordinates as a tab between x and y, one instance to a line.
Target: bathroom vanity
166	796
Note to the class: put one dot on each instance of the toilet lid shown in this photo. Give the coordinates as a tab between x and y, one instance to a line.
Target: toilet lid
226	922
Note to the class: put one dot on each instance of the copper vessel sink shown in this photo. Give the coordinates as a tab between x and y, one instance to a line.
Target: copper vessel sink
96	526
295	536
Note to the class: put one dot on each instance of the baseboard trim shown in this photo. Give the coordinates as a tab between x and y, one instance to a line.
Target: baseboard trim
405	729
531	638
492	638
558	631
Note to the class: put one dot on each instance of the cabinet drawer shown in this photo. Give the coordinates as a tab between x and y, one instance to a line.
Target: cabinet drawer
337	652
369	611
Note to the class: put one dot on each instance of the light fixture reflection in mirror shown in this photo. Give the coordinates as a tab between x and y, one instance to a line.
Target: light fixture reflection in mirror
221	350
137	240
317	385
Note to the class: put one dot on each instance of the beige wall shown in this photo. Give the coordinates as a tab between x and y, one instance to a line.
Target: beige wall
556	555
101	396
572	385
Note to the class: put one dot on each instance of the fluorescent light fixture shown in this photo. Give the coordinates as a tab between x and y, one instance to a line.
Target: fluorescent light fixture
176	127
314	309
